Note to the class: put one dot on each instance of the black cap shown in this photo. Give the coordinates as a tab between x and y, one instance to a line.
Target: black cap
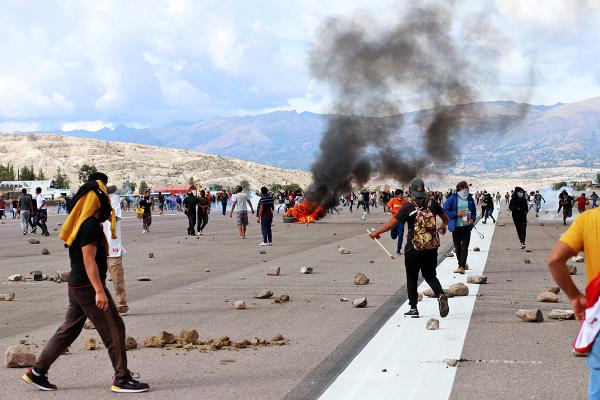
98	176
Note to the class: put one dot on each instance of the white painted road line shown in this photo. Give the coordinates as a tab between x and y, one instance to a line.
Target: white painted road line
412	357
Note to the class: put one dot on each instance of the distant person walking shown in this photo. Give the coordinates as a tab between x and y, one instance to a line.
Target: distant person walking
189	209
146	203
594	198
3	207
461	211
582	235
566	202
161	203
506	198
538	198
41	215
498	198
24	209
487	206
393	206
223	199
241	202
420	252
518	207
203	211
116	251
582	201
264	216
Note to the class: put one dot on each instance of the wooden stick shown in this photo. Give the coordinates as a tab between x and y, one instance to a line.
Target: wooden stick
382	246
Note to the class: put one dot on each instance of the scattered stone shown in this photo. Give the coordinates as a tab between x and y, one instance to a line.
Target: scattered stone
384	370
262	252
361	302
188	346
15	278
166	338
502	224
458	289
45	252
130	343
7	296
277	338
528	251
306	270
547	297
452	362
188	336
530	315
284	298
207	270
64	275
433	324
144	279
343	250
90	344
37	275
88	325
274	271
344	299
33	241
152	341
242	277
541	224
263	294
555	290
578	259
527	261
150	255
572	269
241	344
360	279
18	356
477	279
255	341
371	261
476	249
561	314
449	254
239	305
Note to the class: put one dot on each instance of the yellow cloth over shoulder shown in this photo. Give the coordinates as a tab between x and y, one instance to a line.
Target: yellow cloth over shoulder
84	209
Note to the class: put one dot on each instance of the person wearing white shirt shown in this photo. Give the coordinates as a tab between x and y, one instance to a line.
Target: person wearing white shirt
41	216
240	202
115	252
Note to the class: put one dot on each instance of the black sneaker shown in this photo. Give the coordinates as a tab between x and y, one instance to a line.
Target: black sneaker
39	381
128	385
413	313
443	304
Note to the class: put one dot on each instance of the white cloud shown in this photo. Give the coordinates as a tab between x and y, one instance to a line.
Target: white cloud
92	126
17	126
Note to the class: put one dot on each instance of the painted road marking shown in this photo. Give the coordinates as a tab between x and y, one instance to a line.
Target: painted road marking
412	357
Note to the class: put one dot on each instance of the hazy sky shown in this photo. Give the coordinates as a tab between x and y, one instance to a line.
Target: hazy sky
88	64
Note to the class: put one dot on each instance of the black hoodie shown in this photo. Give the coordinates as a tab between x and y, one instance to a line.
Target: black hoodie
518	205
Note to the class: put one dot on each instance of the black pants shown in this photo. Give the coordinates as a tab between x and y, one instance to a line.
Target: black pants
224	208
191	222
521	225
461	238
265	228
202	221
426	262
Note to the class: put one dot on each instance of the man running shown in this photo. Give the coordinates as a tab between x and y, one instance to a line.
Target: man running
565	201
594	198
538	198
88	295
241	202
203	211
487	207
41	216
161	203
518	207
582	201
461	211
393	206
419	260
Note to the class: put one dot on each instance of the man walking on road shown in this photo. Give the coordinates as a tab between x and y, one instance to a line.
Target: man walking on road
241	202
582	235
264	216
24	210
41	216
203	211
461	211
88	295
420	215
518	206
189	209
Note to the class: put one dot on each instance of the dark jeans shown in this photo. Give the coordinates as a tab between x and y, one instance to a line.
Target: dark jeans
351	204
224	208
202	221
426	262
191	222
461	238
110	327
265	227
521	225
398	232
488	213
41	216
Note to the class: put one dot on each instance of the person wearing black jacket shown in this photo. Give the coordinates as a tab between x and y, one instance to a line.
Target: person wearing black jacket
518	206
189	208
487	207
566	202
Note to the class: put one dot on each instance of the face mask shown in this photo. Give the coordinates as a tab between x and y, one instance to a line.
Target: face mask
463	193
520	194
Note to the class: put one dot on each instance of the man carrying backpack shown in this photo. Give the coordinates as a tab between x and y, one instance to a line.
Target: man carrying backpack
420	252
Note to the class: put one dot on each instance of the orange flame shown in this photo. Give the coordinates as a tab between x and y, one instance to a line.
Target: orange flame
306	212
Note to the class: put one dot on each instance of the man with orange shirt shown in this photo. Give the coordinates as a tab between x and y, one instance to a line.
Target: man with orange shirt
582	235
393	206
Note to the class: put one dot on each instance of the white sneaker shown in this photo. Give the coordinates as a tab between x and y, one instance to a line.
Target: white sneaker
198	234
263	244
143	231
270	244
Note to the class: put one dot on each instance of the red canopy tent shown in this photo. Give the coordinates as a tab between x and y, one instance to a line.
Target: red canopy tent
173	189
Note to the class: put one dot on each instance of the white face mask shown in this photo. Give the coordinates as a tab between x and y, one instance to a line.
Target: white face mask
463	193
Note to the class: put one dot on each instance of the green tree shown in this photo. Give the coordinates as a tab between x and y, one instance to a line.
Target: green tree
27	174
292	186
191	181
7	173
214	187
275	187
143	187
60	180
558	185
40	175
85	171
598	177
245	186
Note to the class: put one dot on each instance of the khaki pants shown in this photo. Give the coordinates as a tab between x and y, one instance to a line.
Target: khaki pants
115	268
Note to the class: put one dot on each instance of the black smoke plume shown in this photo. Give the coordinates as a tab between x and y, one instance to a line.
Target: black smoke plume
369	70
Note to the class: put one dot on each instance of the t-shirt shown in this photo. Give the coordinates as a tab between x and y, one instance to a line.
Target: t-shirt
40	200
407	216
90	232
147	204
462	205
267	202
395	205
115	248
203	205
584	235
25	202
241	200
581	203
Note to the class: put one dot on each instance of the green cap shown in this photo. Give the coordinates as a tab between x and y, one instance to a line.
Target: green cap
417	188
